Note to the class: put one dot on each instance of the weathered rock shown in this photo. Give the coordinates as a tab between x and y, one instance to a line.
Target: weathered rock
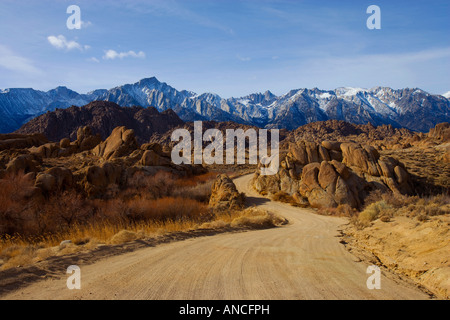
63	176
335	155
298	151
440	132
98	178
341	169
64	143
327	177
311	189
56	178
152	158
345	195
23	163
225	195
387	166
21	141
86	140
48	150
46	182
311	151
332	145
267	184
120	143
323	154
364	158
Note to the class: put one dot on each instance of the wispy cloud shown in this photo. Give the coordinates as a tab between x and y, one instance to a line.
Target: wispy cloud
86	24
112	54
93	59
60	42
244	59
11	61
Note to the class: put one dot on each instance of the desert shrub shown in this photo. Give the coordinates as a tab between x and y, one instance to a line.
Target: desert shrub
282	196
17	255
373	196
154	186
16	204
374	210
167	208
192	181
64	210
200	192
123	236
111	211
342	210
257	219
216	224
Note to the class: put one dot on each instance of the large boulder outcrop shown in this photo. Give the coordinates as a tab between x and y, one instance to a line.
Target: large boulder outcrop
225	195
121	142
334	173
21	141
86	140
324	185
98	178
54	179
23	163
154	155
440	132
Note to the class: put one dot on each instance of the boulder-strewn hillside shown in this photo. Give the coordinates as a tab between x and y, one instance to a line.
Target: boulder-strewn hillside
332	163
414	109
102	117
88	163
382	136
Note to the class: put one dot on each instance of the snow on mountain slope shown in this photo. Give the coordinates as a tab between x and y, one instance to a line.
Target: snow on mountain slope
414	109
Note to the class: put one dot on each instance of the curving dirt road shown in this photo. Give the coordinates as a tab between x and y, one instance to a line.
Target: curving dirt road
301	260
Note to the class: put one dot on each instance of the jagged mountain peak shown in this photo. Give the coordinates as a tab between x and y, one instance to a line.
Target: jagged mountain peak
414	108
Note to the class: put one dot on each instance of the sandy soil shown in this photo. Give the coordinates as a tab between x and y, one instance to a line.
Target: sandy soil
417	249
301	260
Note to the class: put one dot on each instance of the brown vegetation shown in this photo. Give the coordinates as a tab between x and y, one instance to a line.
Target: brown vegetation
147	202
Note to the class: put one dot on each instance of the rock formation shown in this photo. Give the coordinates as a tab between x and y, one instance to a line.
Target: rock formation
87	164
225	195
333	173
102	117
121	142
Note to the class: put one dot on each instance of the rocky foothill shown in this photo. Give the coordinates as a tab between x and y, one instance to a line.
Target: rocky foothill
358	160
88	163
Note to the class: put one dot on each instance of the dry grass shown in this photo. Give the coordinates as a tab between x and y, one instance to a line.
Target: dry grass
249	218
284	197
342	210
387	206
429	173
17	251
31	229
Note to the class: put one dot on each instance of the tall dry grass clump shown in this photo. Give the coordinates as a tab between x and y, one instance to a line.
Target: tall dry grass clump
32	224
167	208
388	205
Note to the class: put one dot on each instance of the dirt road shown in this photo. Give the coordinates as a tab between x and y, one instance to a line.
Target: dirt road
301	260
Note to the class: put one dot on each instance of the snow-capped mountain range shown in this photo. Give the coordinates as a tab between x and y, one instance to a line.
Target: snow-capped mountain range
414	109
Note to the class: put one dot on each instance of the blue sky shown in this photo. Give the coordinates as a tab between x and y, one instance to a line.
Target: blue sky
228	47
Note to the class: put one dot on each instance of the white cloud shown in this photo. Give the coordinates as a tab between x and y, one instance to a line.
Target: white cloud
244	59
60	42
86	24
112	54
93	59
9	60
